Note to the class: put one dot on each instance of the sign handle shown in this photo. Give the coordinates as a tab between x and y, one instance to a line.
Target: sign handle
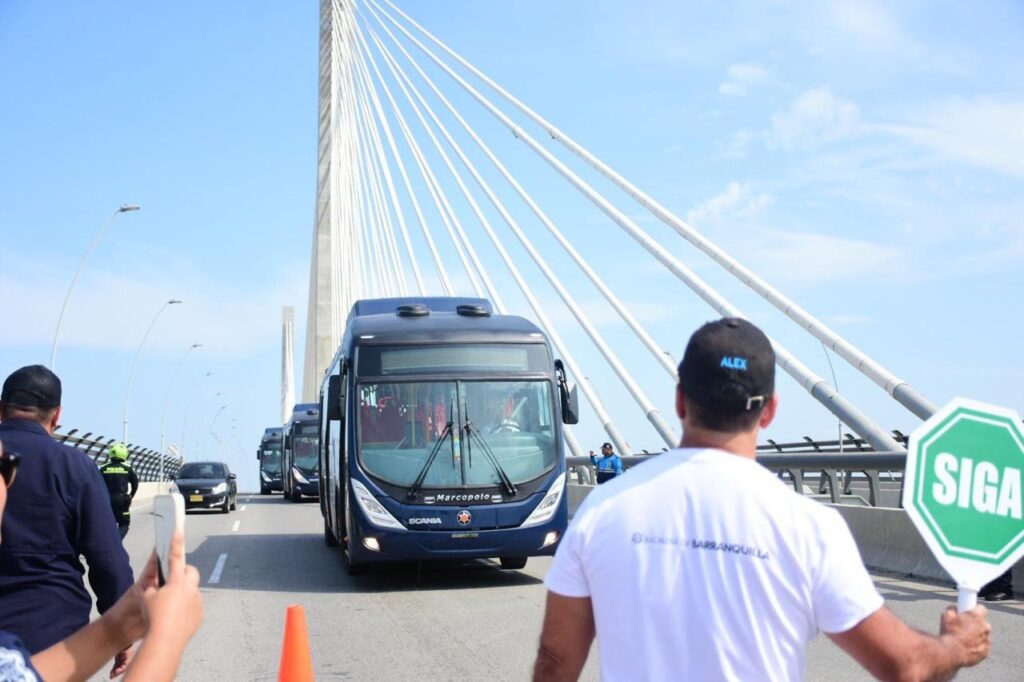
966	599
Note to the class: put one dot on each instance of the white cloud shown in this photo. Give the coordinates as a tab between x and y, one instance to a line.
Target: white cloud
806	258
737	201
815	117
985	131
848	319
871	23
739	145
741	77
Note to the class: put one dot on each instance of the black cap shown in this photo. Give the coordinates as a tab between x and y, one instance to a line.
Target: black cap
32	386
607	445
729	366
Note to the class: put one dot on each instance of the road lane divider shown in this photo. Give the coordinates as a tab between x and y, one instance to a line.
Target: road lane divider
242	508
218	569
234	528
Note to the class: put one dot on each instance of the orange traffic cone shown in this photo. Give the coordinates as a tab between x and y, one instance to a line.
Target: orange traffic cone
296	662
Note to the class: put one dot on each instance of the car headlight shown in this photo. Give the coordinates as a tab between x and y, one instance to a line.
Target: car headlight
173	490
543	512
374	510
298	476
220	488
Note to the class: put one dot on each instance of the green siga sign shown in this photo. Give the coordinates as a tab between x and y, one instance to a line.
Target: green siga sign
962	489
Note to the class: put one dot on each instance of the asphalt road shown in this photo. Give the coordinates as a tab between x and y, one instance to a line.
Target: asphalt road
445	622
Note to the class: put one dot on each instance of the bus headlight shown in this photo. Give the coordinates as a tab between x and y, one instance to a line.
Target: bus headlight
299	478
266	476
374	510
548	506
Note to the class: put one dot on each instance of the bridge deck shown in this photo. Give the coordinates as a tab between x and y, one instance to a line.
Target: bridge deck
472	622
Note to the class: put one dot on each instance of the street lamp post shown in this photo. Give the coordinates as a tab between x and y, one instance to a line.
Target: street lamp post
135	361
188	409
213	423
167	399
85	259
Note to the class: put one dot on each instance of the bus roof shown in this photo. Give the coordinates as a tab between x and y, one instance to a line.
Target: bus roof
379	322
305	412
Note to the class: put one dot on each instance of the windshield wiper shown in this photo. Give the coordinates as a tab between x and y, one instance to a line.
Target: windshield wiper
472	433
414	489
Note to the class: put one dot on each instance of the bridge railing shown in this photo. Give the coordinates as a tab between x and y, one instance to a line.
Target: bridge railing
839	471
145	461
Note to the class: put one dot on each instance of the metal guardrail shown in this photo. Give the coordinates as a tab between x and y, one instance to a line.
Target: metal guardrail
145	461
835	466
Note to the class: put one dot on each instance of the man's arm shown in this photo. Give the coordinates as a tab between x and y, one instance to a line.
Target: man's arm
133	482
890	650
565	638
618	465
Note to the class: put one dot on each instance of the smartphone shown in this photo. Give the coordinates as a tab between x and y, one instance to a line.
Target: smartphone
168	516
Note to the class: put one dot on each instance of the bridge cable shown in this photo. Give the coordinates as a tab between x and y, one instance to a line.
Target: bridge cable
652	414
448	216
663	357
815	385
905	394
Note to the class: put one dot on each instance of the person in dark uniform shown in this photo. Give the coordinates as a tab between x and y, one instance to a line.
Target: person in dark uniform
122	484
57	514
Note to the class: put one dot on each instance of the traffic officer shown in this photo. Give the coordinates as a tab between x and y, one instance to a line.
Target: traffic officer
122	484
57	514
608	466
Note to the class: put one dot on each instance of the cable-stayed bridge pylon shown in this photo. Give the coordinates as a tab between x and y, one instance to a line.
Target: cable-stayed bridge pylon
396	163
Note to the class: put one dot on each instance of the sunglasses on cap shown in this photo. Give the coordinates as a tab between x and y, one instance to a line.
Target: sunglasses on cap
9	467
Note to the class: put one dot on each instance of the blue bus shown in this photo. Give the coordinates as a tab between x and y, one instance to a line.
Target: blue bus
269	455
441	435
300	460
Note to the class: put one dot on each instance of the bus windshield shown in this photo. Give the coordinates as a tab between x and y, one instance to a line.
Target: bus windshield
400	423
271	461
304	446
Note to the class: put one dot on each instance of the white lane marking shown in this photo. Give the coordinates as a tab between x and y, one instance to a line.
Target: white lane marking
218	569
235	527
242	508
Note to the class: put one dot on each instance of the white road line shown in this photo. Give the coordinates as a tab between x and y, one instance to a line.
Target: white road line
234	528
218	569
242	508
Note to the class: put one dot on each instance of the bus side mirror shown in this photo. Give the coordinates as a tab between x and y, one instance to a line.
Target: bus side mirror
259	455
333	410
568	396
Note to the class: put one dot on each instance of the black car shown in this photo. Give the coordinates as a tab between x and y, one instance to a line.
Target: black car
207	485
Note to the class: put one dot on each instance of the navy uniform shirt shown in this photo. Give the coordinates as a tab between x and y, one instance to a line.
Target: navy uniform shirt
57	512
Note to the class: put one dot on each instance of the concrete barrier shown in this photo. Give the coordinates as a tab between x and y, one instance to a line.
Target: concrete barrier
886	538
147	491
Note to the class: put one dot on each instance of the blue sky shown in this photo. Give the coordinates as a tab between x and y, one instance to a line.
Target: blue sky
864	157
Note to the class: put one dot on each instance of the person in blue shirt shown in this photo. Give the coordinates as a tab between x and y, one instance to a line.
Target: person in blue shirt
58	514
167	616
608	466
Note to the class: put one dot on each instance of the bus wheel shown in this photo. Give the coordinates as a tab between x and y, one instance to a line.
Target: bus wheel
295	495
513	562
330	539
264	490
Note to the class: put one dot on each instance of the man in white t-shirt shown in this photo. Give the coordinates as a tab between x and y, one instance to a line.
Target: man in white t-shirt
715	568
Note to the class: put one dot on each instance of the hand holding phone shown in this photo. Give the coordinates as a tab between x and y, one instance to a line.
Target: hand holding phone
168	516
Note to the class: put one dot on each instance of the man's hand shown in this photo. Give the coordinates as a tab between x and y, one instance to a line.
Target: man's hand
970	630
122	661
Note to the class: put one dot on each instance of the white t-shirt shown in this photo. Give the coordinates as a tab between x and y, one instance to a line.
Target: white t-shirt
702	565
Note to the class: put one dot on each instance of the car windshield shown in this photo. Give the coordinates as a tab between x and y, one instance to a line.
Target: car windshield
304	446
271	461
202	470
401	423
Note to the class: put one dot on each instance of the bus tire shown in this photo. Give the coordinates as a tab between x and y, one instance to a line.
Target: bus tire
264	490
330	539
513	562
295	495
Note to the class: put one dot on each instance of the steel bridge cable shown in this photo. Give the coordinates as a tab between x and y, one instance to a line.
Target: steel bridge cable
652	414
492	290
371	124
899	389
489	285
815	385
588	391
663	357
448	217
394	260
367	84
